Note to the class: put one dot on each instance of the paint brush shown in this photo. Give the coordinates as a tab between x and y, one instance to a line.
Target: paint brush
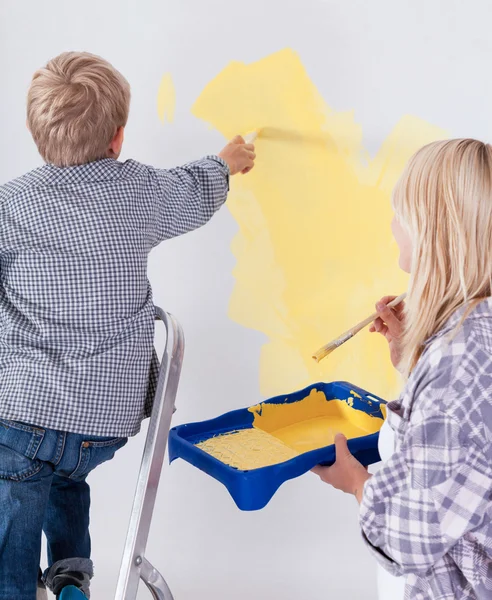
328	349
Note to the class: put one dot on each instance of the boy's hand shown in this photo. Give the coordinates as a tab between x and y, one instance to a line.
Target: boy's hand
346	474
239	156
390	323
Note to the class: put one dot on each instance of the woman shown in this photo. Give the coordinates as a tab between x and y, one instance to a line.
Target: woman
426	515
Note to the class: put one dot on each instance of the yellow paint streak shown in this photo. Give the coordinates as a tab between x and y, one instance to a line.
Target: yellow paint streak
166	99
314	248
282	431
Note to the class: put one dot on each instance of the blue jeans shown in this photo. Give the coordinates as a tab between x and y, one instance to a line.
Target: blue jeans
43	488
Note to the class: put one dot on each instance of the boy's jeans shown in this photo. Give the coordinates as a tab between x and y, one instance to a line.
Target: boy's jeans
43	487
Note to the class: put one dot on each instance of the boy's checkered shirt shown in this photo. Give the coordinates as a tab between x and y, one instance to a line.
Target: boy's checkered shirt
76	310
427	513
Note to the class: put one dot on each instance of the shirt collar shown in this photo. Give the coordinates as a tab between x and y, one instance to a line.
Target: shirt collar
98	170
482	310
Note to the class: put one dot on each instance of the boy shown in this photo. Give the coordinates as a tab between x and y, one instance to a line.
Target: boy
77	367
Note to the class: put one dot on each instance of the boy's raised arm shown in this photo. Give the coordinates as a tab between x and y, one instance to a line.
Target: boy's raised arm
186	197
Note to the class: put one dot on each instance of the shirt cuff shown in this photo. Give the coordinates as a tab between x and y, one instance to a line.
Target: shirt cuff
222	162
225	167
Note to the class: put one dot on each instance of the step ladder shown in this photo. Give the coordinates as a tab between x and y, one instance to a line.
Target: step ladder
135	566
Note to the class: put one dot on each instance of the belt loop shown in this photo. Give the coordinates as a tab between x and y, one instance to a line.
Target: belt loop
61	437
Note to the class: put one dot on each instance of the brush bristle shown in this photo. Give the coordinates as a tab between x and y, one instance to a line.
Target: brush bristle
323	352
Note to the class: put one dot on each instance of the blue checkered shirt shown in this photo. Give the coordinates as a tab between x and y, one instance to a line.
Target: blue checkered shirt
76	310
427	513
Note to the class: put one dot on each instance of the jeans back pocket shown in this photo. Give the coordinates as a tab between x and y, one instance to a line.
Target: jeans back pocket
19	444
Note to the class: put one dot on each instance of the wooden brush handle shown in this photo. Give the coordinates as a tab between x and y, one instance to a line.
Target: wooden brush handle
336	343
249	138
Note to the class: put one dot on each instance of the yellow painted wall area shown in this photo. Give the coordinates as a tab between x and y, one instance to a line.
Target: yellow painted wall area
314	249
283	431
166	99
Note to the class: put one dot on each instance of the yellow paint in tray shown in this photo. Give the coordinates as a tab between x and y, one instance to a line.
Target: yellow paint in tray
281	432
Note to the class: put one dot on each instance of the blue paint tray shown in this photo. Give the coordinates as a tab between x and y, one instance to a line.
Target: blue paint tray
294	432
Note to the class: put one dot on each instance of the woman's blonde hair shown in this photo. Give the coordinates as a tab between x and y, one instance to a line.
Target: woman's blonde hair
75	105
444	201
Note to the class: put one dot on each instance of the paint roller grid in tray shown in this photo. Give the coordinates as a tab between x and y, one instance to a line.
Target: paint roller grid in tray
247	449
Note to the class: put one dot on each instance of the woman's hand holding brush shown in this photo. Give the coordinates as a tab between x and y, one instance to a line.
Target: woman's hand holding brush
390	323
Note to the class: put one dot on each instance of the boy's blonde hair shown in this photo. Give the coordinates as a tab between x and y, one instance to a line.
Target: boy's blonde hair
75	105
444	201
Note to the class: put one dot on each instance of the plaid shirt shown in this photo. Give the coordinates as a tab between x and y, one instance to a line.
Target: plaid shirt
76	310
427	513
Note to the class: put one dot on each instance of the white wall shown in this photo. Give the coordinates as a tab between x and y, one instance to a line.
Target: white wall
383	59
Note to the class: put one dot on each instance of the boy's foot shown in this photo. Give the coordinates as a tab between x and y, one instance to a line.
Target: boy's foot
70	592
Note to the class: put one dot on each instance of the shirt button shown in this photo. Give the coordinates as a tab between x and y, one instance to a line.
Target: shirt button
85	445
